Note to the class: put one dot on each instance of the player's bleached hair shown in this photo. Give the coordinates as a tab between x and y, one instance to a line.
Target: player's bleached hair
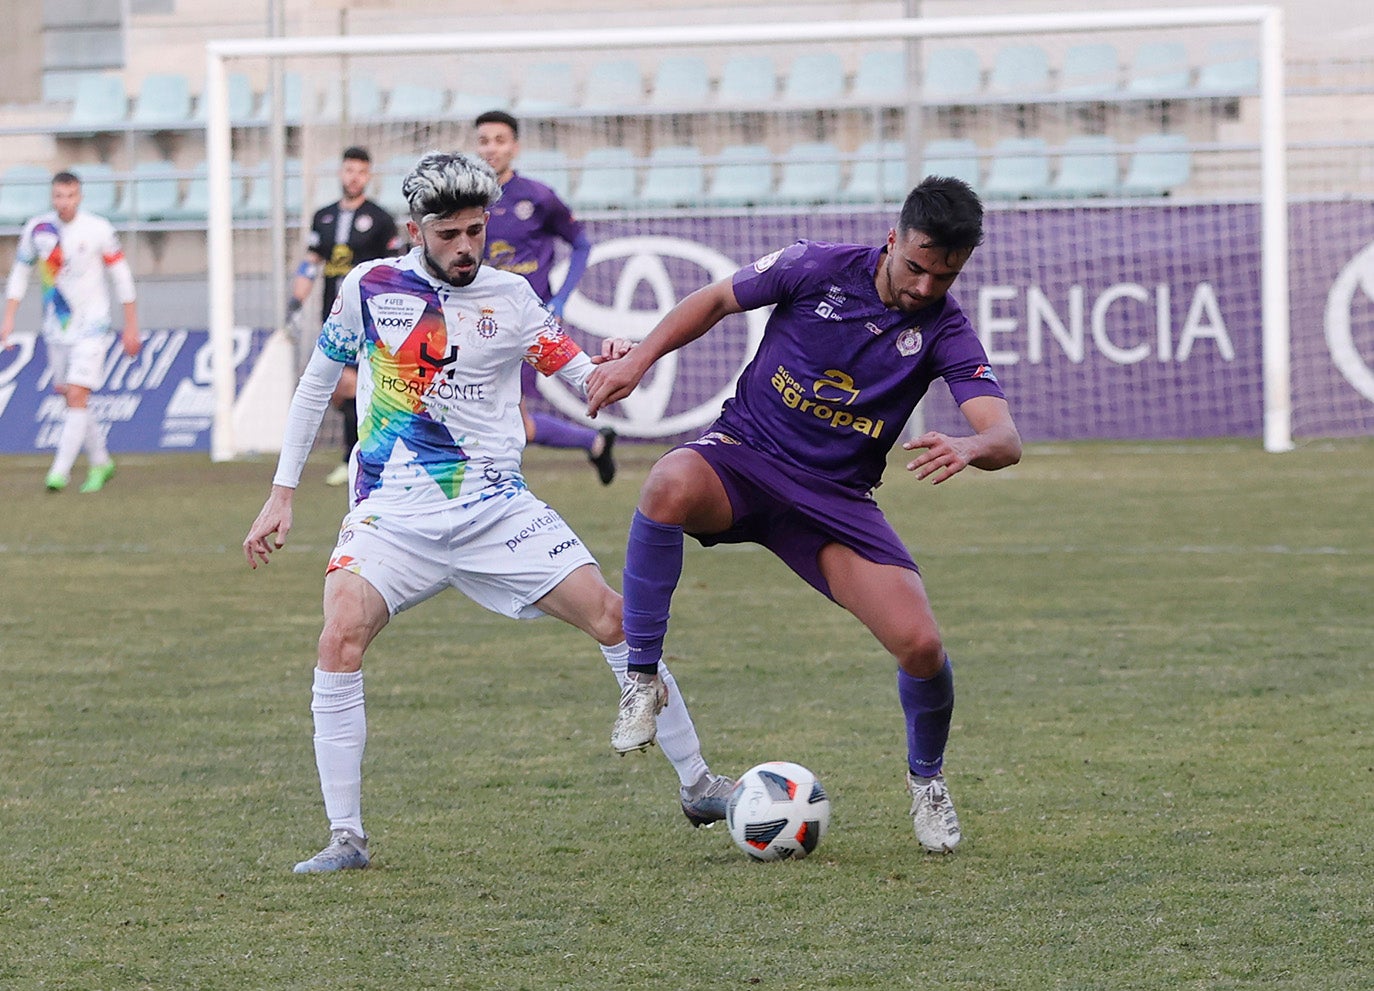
442	183
947	211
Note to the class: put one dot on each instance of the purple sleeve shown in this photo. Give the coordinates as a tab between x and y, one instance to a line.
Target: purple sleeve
962	361
772	279
561	221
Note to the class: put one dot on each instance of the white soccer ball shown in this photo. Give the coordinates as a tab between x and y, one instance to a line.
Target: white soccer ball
777	810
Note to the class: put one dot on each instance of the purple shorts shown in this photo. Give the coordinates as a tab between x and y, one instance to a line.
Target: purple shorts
794	517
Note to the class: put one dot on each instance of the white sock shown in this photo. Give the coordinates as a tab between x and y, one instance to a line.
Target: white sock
70	440
677	736
96	450
340	735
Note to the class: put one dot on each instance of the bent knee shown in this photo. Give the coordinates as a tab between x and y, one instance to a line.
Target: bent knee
921	656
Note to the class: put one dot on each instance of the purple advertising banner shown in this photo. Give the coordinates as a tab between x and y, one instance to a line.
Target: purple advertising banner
1137	322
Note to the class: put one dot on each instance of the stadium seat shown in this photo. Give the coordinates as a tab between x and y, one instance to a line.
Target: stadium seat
195	204
613	85
1231	68
164	101
606	180
293	101
1160	68
361	99
243	102
387	180
1020	169
1019	72
1160	164
879	174
1087	168
257	200
811	173
546	87
25	191
680	81
1092	69
549	167
675	177
814	79
415	102
99	189
881	77
742	176
747	80
951	75
485	88
956	157
100	104
152	193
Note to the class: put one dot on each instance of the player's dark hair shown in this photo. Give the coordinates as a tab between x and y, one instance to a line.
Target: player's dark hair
498	117
356	153
947	211
443	183
66	179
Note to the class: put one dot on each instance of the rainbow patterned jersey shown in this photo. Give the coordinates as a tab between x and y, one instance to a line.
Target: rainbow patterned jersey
439	378
71	259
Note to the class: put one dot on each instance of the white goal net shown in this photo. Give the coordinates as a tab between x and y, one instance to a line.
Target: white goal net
1133	282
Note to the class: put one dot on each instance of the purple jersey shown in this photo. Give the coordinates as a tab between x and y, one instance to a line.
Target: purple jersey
838	373
526	223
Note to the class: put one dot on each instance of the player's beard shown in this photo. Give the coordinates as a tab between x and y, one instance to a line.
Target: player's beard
439	272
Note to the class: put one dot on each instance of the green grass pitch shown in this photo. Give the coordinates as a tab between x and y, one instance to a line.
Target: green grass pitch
1162	753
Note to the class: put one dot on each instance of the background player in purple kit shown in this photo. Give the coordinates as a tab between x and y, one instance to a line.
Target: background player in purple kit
524	231
857	335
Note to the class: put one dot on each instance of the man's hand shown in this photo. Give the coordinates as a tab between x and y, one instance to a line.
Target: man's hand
944	456
133	344
613	348
614	377
273	521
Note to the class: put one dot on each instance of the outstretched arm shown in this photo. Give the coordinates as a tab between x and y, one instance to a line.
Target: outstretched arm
995	443
684	323
577	267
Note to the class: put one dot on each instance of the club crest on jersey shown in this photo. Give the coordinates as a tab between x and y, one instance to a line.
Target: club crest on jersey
486	326
362	222
909	341
524	210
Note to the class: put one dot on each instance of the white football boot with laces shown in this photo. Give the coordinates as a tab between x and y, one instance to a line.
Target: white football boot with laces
932	813
636	724
346	852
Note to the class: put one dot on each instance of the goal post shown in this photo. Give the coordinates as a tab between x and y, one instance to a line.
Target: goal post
242	257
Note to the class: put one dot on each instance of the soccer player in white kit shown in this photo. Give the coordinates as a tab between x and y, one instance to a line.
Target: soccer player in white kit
438	498
72	250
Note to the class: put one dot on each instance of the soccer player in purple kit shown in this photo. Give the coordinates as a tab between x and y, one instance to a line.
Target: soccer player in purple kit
857	335
524	230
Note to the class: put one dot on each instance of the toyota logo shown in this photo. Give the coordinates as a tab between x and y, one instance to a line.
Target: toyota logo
643	272
1357	276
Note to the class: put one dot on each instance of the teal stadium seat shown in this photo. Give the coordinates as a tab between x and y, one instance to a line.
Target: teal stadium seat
811	173
152	193
956	157
681	81
951	76
814	79
549	167
1159	69
1087	168
100	104
293	101
675	177
1160	164
163	102
194	206
880	78
1020	169
415	102
1018	72
25	191
1230	68
742	175
485	88
257	201
747	80
360	100
606	180
878	175
99	189
1091	69
387	180
613	85
545	88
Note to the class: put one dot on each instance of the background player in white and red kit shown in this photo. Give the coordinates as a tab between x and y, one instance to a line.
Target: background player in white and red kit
524	231
73	250
856	336
438	495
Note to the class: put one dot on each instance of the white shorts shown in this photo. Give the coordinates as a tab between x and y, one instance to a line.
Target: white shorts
82	362
504	554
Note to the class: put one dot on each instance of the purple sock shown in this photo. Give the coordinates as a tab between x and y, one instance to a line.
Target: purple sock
552	431
928	705
653	565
